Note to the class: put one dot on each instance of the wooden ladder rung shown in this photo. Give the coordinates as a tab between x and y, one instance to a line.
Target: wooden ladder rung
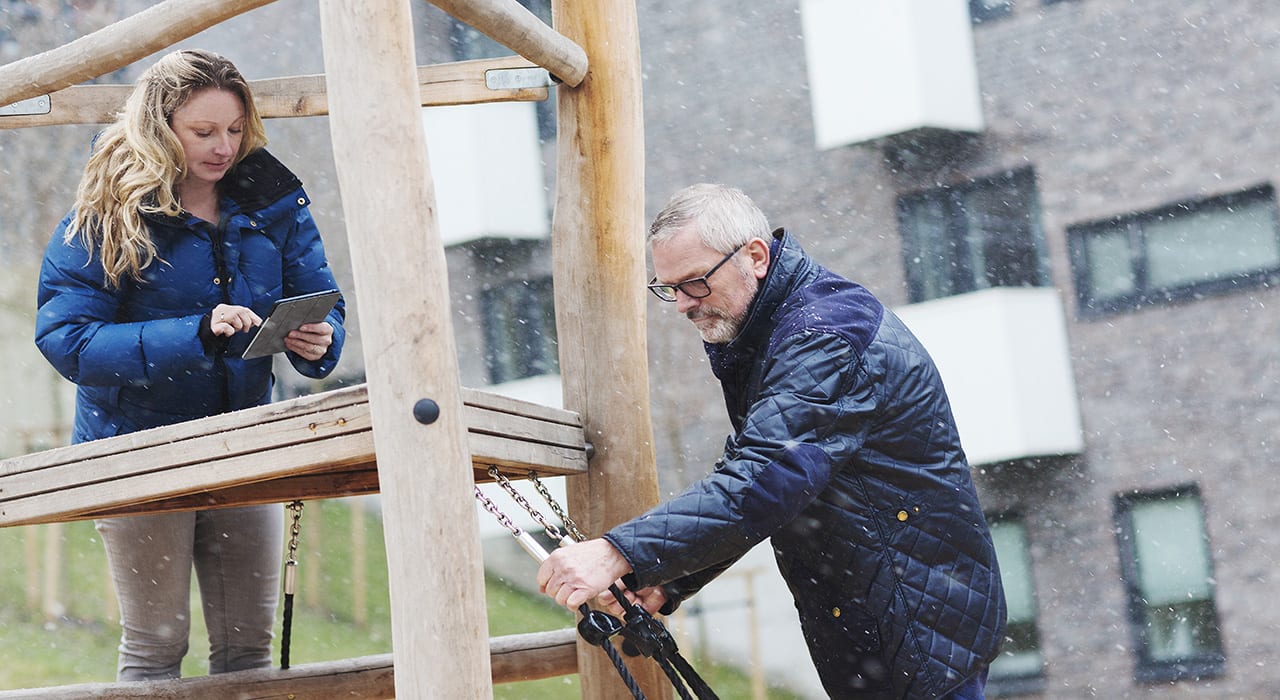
517	657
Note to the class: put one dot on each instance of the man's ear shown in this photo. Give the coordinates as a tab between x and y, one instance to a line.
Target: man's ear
758	249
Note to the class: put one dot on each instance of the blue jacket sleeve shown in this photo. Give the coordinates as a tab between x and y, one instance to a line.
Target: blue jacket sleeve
76	326
306	269
809	414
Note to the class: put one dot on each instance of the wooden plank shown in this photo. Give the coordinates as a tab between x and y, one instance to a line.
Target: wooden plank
316	446
517	657
511	24
598	235
258	415
115	46
402	291
463	82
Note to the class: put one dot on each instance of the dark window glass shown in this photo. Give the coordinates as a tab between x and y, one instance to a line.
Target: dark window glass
470	44
1168	573
1020	666
983	10
1177	253
519	330
984	233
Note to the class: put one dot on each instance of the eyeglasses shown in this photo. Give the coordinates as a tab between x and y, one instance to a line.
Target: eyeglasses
695	288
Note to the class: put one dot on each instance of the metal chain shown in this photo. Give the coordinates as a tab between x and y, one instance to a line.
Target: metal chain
294	531
492	507
555	532
555	507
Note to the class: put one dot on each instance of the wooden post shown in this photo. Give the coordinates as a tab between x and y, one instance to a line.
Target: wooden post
598	236
439	628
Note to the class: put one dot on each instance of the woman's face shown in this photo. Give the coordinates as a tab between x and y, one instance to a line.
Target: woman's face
210	126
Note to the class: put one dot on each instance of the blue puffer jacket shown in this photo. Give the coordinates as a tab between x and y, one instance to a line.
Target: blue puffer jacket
845	453
135	352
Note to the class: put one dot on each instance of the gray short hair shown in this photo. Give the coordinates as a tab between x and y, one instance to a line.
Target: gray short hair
724	217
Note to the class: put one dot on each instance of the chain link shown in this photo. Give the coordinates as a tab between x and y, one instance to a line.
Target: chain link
556	533
294	531
492	507
555	507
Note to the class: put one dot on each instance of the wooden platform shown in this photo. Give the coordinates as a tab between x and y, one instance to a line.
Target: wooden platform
317	446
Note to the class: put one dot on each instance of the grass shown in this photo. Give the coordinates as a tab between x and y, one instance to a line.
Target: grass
333	619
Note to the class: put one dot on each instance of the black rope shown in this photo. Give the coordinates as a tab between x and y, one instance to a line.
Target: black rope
596	627
286	631
649	637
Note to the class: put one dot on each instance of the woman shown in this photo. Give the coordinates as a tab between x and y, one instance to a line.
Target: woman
184	232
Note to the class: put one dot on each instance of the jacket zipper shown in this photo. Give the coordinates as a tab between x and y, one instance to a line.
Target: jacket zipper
224	281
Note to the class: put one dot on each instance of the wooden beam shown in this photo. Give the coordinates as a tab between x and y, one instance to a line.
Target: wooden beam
517	657
432	531
535	655
464	82
115	46
316	446
598	236
509	23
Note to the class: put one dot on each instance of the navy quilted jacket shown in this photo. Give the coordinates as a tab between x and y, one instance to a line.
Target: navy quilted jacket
845	453
135	352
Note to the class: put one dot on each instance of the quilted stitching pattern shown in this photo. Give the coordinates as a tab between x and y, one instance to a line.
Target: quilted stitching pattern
846	454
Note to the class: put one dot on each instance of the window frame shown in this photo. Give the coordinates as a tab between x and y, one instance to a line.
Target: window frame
1089	305
956	233
1146	668
1027	683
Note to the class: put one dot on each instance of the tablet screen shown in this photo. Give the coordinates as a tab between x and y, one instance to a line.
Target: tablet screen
287	315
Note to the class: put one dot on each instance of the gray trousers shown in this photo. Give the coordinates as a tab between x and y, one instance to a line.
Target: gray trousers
237	556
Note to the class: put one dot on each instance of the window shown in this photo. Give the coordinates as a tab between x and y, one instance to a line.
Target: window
1168	575
1177	253
984	233
983	10
519	330
1020	666
470	44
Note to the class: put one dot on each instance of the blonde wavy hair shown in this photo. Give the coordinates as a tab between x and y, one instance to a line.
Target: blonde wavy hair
137	161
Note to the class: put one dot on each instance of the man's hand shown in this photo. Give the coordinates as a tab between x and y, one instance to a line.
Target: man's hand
579	572
651	599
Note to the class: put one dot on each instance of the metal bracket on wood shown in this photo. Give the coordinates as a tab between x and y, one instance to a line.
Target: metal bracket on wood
35	105
518	78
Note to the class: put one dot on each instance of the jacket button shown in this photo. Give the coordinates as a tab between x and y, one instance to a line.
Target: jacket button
302	201
217	280
835	612
902	516
253	224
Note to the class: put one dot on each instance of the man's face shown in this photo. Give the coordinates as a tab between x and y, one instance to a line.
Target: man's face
719	315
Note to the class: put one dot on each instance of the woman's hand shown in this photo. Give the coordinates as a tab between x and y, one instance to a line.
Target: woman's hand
227	320
311	341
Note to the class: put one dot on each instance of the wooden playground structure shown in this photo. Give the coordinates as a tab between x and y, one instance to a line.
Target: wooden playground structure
366	439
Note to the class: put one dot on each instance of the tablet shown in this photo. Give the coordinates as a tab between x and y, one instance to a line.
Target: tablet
287	315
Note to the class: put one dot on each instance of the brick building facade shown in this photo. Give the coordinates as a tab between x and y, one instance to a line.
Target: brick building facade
1146	132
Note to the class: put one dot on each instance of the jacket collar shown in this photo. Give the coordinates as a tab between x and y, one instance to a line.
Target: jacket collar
258	180
789	267
255	183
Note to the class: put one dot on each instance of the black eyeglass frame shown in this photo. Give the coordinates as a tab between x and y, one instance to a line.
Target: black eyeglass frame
667	292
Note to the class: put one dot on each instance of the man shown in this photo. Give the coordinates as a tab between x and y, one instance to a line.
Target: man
844	452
